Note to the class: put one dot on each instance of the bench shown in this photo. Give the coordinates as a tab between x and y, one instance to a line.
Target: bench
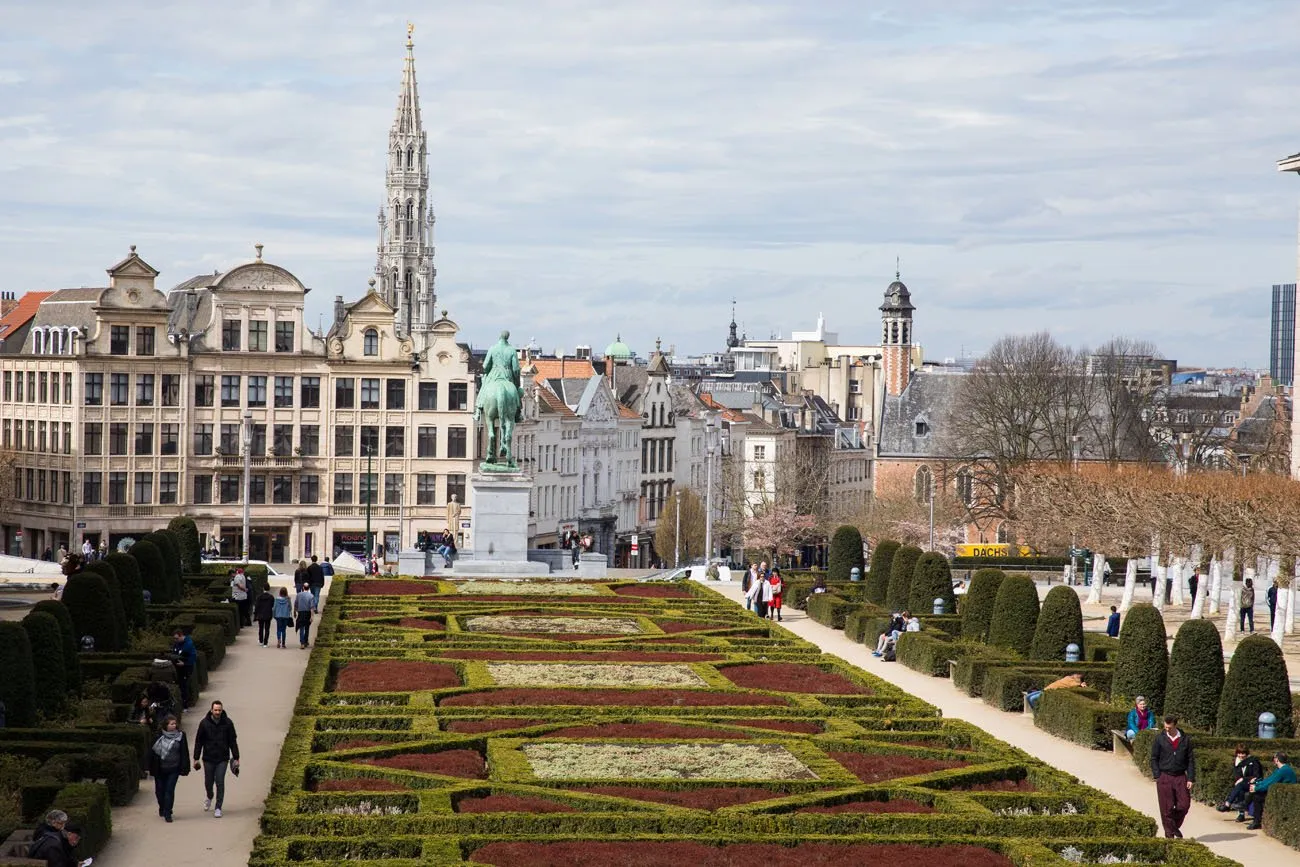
1025	698
952	668
1119	741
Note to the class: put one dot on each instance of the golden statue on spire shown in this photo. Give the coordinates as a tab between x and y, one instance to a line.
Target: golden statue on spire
410	28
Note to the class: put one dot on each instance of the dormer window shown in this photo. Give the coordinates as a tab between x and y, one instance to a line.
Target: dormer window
922	428
370	342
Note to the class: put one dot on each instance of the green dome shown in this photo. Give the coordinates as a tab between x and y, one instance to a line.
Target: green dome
618	349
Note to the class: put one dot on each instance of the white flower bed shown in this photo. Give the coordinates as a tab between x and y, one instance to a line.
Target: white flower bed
561	761
593	674
558	625
528	588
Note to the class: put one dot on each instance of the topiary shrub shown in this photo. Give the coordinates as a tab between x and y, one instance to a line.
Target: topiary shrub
105	569
186	533
1256	682
845	554
171	553
71	662
90	603
882	561
1015	614
47	661
17	676
977	607
931	580
900	577
153	574
1060	624
132	590
1195	683
1142	663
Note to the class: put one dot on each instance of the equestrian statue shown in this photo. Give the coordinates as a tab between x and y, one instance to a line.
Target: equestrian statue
499	404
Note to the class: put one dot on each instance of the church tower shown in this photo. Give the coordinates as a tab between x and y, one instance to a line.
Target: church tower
405	269
896	339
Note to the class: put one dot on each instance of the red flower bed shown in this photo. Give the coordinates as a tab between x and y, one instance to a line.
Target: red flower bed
499	597
594	853
353	615
791	677
417	623
874	768
898	805
602	697
352	745
554	636
360	784
653	591
780	725
382	587
673	626
474	726
999	786
449	763
392	675
644	730
511	804
583	656
677	639
712	798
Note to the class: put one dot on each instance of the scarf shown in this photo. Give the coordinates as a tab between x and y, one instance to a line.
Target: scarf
167	744
1144	719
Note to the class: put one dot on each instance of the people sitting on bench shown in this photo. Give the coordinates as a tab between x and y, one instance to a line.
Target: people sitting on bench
1141	716
1246	770
1068	682
1282	773
897	623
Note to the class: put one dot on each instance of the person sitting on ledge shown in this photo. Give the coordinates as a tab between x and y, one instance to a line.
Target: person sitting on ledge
1246	770
1140	717
1282	773
897	624
1070	681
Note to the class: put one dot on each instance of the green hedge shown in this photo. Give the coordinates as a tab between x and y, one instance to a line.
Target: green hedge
1195	683
928	652
977	606
1015	615
1099	647
170	549
901	569
1142	664
830	610
865	624
1282	814
71	661
186	533
1004	685
17	675
118	611
153	572
88	805
882	560
1060	624
48	670
931	580
131	587
1256	682
845	553
968	675
1078	715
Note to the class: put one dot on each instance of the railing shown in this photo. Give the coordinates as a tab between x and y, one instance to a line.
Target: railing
289	461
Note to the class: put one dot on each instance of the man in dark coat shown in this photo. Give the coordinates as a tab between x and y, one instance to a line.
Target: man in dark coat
216	747
315	580
55	840
1173	764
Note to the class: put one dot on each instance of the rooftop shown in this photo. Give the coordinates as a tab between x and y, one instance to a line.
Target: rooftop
23	313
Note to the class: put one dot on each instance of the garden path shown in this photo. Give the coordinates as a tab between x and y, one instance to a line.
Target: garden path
1112	774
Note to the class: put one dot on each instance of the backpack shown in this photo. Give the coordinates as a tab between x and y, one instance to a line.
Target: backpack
890	655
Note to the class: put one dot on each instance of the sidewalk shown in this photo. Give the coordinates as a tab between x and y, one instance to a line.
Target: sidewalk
258	687
1117	776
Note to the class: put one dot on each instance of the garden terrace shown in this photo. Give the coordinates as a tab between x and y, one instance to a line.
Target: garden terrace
550	723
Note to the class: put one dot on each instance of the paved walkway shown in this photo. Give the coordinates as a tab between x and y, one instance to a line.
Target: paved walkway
1112	774
258	686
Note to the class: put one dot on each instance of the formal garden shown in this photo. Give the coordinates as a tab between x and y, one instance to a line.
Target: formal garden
594	724
72	669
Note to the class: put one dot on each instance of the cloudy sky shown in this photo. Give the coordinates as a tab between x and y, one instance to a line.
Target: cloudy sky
603	167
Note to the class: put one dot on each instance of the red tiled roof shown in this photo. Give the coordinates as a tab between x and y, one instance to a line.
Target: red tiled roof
567	368
625	411
551	400
23	313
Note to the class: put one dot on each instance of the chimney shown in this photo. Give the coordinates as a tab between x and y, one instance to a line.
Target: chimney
7	303
338	310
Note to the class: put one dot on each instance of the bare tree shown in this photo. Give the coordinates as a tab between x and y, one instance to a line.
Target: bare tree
1124	385
692	527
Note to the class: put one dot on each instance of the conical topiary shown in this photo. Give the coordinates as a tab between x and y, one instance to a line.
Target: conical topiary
1256	682
1195	683
882	561
71	662
186	533
1015	614
153	574
1060	624
91	605
900	577
845	554
931	580
128	577
1142	661
105	569
977	607
17	676
171	553
47	661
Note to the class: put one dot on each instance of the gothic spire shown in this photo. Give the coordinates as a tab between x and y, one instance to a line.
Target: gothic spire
408	100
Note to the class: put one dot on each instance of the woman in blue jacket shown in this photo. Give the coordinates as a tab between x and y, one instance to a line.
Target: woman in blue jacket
1139	718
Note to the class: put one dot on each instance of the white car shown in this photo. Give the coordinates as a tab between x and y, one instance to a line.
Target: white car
232	564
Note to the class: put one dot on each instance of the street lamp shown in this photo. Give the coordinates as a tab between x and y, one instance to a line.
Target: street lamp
677	535
370	498
931	511
248	475
710	429
1244	460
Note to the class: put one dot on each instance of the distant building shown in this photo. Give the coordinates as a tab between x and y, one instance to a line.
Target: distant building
1292	164
1281	343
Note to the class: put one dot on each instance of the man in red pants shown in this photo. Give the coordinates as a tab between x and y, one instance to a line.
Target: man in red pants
1173	765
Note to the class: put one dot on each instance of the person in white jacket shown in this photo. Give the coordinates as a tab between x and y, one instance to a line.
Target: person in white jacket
755	597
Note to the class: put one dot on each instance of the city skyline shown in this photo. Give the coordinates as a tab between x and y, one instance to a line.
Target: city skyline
598	168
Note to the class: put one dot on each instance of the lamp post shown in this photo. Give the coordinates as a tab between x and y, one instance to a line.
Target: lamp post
370	497
710	428
931	511
1074	465
677	535
248	477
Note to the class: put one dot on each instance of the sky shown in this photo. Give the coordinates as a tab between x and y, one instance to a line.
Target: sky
603	168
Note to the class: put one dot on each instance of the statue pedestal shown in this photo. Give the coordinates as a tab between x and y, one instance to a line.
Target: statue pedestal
501	503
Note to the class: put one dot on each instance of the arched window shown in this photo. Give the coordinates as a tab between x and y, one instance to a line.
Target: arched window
370	342
1003	537
923	485
410	157
965	486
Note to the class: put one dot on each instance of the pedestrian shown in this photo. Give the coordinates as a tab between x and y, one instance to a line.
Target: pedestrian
1173	764
778	587
282	611
55	840
302	608
1271	598
103	549
1193	582
1282	773
315	581
1246	769
754	597
1140	718
747	582
263	611
1112	623
239	595
299	575
1247	606
63	554
86	550
216	747
169	760
183	647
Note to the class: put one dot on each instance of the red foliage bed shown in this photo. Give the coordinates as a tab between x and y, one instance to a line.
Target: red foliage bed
418	623
511	804
475	726
450	763
675	626
791	677
384	587
389	675
595	853
360	784
583	655
711	798
780	725
609	697
873	768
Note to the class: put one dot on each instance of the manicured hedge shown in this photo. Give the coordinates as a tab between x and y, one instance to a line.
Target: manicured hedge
171	556
17	675
1005	684
131	587
901	569
153	572
931	579
1142	664
845	553
1015	615
1060	624
1256	682
49	672
106	571
929	653
1195	683
1282	814
1079	715
71	661
882	561
830	610
186	533
977	607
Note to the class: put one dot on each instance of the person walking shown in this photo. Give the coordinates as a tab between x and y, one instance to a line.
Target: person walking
315	581
263	611
183	647
1282	773
1193	582
239	595
1112	623
302	608
754	597
86	550
282	611
747	582
299	575
169	760
1247	606
1271	598
1173	764
778	587
216	747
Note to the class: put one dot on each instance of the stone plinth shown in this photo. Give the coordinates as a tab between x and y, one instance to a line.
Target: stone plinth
501	502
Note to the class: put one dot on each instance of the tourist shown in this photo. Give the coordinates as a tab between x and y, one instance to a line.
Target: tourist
299	575
1271	598
1246	770
746	582
1246	602
777	588
1140	718
141	712
1282	773
169	760
1112	623
63	554
897	623
239	595
327	569
911	622
216	746
1070	681
55	840
754	597
282	611
1193	582
263	611
315	582
183	647
1173	764
86	550
302	609
103	549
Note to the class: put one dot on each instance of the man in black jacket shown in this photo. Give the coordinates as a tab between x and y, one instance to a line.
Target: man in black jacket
54	840
1246	770
1173	765
315	580
215	747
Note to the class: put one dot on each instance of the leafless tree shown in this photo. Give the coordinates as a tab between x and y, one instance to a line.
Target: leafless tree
1124	384
692	527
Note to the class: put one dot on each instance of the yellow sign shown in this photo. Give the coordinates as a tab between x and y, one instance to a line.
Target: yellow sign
1002	550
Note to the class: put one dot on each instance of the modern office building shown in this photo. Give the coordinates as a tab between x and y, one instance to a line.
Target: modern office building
1281	344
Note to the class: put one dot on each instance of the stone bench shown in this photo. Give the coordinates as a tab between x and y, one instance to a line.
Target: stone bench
1025	698
1119	742
952	668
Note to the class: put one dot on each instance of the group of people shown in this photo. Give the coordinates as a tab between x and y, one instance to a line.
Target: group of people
887	642
89	552
1246	605
216	749
763	589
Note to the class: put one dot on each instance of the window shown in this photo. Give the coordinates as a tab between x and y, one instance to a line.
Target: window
284	391
281	490
31	385
257	391
144	439
119	339
31	436
92	439
760	480
922	428
396	394
760	453
368	488
18	397
171	389
168	488
257	490
456	442
201	490
230	489
45	387
310	394
370	342
144	335
394	442
456	488
855	386
257	444
369	440
93	384
257	335
426	490
282	440
229	444
117	489
392	489
203	439
309	439
966	486
342	488
1003	535
54	388
344	393
119	384
426	442
92	489
370	394
343	442
169	439
8	386
229	390
42	440
284	337
144	389
204	390
922	485
458	397
309	489
67	388
117	438
428	395
230	335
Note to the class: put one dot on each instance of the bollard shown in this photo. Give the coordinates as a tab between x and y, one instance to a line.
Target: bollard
855	574
1071	652
1267	726
87	644
938	607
